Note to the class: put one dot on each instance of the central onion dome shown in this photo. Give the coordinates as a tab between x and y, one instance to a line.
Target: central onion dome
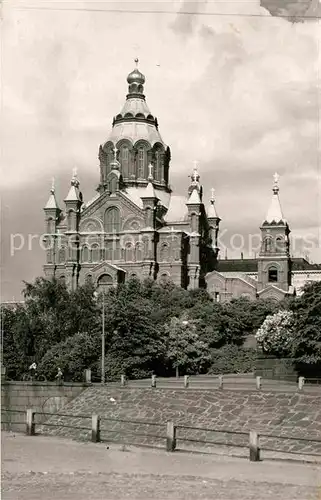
135	121
136	77
137	141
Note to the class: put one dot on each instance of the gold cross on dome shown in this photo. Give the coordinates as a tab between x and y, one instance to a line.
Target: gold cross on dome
196	163
53	185
276	178
136	61
212	194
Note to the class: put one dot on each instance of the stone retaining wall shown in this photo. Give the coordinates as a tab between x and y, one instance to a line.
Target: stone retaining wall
295	415
41	396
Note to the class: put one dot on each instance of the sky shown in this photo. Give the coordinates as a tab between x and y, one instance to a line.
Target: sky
232	86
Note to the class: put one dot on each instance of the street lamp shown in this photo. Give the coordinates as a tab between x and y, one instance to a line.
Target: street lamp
103	342
102	338
184	323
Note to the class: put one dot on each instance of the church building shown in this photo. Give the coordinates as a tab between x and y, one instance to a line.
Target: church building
136	226
131	227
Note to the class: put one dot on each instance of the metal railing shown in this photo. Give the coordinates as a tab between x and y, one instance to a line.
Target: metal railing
173	435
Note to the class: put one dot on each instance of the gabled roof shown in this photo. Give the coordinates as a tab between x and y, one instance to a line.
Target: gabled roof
269	288
149	191
239	276
177	209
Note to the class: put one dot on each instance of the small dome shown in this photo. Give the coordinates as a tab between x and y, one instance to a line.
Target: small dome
136	77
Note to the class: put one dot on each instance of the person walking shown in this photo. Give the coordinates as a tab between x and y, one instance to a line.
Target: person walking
33	371
59	376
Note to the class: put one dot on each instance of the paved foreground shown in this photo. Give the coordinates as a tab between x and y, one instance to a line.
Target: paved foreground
48	468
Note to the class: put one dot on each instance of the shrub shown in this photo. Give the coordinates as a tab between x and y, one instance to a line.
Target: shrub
275	335
232	359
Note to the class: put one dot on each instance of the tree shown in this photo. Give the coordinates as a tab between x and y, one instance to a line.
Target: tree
50	315
73	356
275	335
184	350
306	346
133	339
17	341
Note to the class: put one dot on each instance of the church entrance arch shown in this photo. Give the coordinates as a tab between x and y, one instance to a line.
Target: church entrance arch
105	281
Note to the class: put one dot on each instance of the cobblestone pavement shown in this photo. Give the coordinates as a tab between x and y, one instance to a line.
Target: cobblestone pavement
42	468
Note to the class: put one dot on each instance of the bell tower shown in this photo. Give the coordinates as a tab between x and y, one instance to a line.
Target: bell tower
274	264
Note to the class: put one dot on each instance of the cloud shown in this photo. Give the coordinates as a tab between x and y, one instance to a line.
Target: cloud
186	20
238	93
293	10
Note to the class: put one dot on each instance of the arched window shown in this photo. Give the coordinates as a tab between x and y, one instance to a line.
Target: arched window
109	251
62	279
129	252
273	275
158	166
141	162
70	220
164	277
112	220
177	253
85	257
61	255
139	252
194	222
164	253
279	244
124	160
50	225
268	244
110	157
95	253
105	281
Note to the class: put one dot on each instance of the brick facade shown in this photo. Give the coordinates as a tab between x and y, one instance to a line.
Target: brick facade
132	227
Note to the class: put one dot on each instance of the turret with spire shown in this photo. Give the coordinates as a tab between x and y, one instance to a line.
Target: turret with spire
274	214
114	178
73	202
194	206
214	223
52	216
52	210
274	265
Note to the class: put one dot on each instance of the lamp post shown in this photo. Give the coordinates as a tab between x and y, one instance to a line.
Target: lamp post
103	342
103	336
184	324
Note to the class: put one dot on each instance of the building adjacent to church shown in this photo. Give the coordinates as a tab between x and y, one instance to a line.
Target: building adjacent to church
136	226
274	274
132	227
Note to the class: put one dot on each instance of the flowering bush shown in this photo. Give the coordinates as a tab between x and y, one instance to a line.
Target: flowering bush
275	335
